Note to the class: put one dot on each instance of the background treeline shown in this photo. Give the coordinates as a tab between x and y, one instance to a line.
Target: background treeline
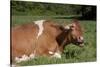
52	9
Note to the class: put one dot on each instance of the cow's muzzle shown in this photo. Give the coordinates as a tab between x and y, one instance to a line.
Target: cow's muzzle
80	41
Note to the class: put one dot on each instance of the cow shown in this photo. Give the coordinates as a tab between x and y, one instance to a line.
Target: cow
43	38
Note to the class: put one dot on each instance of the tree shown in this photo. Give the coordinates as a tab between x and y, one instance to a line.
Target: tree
88	12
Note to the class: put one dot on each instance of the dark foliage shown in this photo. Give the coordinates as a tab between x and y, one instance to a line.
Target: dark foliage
52	9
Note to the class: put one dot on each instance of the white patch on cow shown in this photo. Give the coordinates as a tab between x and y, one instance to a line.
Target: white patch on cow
32	56
50	52
40	25
23	58
57	55
17	59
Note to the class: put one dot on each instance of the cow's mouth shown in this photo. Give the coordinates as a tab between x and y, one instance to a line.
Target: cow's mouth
80	44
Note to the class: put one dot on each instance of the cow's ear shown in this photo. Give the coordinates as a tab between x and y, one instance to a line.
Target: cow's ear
68	26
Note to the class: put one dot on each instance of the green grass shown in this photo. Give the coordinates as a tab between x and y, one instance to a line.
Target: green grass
72	53
17	20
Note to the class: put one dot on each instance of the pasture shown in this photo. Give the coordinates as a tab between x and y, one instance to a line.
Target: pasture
72	53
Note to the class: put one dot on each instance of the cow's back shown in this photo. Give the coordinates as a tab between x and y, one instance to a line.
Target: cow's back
25	41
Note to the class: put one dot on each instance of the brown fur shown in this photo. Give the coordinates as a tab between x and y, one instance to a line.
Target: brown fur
24	40
53	38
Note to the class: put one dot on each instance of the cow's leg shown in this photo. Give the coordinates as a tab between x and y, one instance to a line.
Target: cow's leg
55	52
24	58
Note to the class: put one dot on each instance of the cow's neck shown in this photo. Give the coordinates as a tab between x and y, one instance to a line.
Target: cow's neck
64	38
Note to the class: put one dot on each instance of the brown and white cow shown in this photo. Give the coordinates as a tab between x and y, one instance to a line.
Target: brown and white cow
43	38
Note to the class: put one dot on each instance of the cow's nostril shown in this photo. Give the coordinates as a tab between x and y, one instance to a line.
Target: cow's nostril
81	38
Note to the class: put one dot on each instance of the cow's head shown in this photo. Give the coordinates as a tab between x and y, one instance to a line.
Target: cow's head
76	33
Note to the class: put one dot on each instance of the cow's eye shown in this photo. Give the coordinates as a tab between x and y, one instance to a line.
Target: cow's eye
72	26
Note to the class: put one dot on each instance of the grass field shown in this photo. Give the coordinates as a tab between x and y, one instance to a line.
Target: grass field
72	53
